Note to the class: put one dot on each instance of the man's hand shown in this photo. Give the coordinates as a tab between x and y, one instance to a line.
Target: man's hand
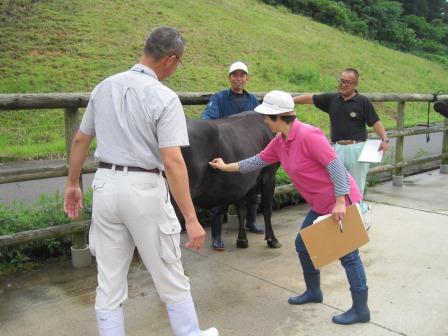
196	235
72	201
73	193
381	132
383	146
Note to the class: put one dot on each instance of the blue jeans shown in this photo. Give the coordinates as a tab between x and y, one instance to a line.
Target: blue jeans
354	269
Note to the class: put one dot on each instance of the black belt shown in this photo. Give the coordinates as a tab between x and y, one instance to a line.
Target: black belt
130	168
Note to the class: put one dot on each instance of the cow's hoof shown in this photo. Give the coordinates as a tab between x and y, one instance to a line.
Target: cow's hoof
242	243
273	243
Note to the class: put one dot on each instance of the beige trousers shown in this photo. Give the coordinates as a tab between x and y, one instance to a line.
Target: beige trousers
134	209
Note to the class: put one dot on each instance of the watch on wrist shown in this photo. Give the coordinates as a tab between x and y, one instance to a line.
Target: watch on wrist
386	140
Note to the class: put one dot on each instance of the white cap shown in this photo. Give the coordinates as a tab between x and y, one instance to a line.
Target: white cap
238	66
276	102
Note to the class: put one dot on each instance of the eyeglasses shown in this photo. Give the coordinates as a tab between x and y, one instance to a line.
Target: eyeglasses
345	82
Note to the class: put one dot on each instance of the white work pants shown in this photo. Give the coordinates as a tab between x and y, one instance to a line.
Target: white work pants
133	209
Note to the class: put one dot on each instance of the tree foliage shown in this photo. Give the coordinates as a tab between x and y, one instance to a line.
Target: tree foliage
419	26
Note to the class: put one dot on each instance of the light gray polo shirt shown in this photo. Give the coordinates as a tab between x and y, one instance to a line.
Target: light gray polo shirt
133	115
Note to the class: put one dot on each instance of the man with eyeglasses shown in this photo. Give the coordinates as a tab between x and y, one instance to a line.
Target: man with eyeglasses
349	113
223	104
140	126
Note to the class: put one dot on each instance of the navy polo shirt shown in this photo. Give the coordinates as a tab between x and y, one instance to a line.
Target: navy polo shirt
348	118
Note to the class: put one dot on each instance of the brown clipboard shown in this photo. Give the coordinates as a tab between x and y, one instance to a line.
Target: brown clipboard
326	243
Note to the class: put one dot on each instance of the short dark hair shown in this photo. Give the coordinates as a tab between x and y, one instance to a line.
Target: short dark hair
164	41
353	71
286	118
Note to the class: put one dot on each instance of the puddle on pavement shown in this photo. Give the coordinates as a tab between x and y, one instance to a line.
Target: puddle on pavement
53	283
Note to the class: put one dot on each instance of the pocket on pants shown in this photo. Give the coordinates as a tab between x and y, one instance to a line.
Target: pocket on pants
170	236
97	183
92	239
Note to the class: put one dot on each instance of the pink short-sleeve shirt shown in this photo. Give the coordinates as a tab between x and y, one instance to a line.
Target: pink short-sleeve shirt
304	156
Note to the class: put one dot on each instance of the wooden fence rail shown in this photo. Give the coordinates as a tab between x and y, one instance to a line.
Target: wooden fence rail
72	102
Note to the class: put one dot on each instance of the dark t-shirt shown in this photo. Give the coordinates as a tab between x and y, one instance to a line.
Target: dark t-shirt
348	119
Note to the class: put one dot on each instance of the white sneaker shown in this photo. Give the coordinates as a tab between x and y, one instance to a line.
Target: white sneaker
367	217
210	332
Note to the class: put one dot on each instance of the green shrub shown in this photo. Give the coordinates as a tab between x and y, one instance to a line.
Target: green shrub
284	200
281	178
46	211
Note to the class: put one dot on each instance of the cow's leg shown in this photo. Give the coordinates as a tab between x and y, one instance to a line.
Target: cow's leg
216	226
267	193
241	241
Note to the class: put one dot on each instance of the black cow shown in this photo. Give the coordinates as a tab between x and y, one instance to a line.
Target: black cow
233	138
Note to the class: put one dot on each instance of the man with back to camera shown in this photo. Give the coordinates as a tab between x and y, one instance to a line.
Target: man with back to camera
140	126
349	113
223	104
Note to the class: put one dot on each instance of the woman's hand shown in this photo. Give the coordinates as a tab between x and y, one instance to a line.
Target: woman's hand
226	167
338	211
217	163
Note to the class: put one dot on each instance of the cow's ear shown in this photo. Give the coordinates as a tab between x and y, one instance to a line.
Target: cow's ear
442	108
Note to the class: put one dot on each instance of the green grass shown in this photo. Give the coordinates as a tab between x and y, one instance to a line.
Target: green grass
70	45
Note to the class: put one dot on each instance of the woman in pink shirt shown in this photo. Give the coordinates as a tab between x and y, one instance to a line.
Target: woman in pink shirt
308	158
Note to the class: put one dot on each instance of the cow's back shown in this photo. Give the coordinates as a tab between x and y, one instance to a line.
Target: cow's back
233	139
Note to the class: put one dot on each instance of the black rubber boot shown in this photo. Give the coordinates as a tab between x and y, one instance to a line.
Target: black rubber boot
251	207
359	312
312	293
216	225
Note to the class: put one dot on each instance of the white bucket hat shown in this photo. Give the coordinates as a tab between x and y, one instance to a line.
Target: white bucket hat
238	66
276	102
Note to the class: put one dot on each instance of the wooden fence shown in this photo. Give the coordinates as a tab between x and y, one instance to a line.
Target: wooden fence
72	102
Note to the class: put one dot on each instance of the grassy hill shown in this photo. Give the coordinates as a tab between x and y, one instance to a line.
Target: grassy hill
70	45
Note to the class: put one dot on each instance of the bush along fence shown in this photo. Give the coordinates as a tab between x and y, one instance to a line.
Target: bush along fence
72	102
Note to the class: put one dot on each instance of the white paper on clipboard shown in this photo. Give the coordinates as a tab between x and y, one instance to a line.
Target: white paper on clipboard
370	152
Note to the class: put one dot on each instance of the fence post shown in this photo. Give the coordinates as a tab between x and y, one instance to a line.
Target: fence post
444	163
81	256
397	179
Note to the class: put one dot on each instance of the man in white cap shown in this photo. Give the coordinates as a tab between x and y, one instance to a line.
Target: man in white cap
322	180
233	100
223	104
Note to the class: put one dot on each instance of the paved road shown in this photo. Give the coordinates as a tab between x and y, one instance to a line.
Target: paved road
30	190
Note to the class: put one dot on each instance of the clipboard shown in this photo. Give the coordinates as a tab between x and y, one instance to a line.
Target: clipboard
370	152
326	243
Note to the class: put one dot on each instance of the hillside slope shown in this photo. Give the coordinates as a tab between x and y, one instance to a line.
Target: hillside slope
70	45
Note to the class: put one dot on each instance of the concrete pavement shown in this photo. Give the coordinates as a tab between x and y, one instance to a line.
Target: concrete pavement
245	291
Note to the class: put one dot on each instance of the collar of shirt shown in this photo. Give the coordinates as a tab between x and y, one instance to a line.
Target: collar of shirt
292	132
144	70
230	92
354	98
